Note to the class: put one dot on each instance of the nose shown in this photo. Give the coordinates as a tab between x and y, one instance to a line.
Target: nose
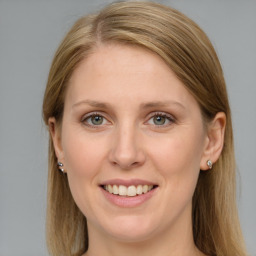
127	150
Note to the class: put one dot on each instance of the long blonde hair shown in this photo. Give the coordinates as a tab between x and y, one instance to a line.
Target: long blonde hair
188	52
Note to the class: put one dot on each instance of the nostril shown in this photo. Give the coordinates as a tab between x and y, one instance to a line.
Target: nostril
125	166
135	163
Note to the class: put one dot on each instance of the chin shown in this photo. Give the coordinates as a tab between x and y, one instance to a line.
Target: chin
131	229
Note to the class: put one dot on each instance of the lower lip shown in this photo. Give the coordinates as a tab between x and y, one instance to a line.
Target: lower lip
126	201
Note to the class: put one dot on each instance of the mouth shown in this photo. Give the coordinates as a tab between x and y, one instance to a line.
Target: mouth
128	191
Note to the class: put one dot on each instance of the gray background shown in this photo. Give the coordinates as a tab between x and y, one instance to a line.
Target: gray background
30	32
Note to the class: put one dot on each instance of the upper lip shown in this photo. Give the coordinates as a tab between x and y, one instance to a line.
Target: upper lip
127	183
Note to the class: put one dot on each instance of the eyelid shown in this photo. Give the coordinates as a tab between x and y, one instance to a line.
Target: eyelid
161	113
91	114
84	117
170	117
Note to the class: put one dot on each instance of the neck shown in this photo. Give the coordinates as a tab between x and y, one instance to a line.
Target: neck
168	244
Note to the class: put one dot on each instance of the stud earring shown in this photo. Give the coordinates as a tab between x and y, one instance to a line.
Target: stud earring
60	165
209	164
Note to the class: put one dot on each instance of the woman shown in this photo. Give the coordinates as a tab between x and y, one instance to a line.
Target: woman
141	133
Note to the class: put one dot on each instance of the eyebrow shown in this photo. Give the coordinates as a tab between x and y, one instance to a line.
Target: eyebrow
147	105
92	103
156	104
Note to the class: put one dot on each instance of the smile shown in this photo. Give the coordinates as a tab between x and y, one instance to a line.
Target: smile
130	191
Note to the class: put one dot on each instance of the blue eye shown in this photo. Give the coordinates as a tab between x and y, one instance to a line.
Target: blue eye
94	120
97	120
161	119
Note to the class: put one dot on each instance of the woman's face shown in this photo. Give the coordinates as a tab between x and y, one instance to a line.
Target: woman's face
132	142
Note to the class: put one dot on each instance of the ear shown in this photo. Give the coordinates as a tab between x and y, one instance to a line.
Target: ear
55	132
214	140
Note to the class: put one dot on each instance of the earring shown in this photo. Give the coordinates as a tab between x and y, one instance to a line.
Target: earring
209	164
60	165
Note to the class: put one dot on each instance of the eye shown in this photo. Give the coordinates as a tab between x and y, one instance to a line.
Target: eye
94	120
161	119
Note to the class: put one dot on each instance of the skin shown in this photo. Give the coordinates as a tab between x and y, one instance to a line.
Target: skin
130	144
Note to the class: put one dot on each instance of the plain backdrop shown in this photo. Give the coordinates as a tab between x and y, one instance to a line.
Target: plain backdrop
30	31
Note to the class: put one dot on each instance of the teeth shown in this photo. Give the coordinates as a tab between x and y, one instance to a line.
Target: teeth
144	189
110	189
131	191
139	190
115	189
122	191
128	191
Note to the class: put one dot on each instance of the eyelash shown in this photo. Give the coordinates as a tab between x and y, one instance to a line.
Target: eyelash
169	117
91	115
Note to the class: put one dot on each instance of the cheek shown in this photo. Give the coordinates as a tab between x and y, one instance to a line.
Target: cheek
83	156
178	162
82	153
178	151
178	156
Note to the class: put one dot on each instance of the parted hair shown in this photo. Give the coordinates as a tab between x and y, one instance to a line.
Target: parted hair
190	55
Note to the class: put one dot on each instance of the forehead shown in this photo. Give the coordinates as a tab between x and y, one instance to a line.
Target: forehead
125	72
